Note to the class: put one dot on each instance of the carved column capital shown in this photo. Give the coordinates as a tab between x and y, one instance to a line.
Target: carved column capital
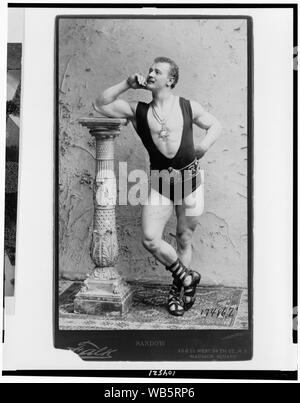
103	128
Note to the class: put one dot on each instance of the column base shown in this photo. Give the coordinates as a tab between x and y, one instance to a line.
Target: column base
99	297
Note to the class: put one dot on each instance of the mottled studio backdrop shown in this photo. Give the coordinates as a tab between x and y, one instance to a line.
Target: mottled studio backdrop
212	57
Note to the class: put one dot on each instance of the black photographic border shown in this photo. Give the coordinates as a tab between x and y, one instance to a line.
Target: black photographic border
280	375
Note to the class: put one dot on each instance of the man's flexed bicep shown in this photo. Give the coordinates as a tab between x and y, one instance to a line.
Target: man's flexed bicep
108	103
117	109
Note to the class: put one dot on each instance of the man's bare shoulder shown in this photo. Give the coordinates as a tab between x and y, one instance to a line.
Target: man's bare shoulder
197	108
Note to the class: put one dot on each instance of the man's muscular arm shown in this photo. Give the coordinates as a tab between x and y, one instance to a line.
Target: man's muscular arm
207	121
108	103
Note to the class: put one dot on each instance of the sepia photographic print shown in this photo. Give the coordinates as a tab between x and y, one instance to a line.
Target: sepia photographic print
153	217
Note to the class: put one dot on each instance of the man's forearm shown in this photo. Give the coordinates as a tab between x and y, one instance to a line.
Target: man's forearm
212	135
112	93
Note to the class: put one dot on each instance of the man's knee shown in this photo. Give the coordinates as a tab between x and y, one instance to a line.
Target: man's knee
152	244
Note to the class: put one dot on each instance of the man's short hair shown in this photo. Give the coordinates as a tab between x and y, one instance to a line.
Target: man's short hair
174	70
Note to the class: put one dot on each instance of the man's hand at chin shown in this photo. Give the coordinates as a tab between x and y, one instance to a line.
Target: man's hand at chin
137	81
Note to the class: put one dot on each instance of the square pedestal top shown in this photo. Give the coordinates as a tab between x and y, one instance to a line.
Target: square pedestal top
103	123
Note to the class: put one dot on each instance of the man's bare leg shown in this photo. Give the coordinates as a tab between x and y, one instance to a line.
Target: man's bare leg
188	216
184	235
156	213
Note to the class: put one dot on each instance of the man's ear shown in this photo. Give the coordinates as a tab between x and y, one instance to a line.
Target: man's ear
170	81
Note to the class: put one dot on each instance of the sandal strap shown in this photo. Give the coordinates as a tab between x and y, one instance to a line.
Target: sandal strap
177	304
190	290
173	265
174	302
174	296
174	293
179	271
176	286
195	280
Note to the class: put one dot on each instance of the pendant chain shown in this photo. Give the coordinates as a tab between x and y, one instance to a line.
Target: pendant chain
157	117
163	132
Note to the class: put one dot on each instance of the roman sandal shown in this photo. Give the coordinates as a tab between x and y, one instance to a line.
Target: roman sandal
180	273
189	291
175	303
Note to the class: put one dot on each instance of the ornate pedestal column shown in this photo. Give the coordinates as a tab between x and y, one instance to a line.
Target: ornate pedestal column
104	290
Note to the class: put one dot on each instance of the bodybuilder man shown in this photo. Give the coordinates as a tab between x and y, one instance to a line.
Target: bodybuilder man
165	126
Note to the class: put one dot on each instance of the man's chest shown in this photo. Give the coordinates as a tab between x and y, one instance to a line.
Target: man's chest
166	134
